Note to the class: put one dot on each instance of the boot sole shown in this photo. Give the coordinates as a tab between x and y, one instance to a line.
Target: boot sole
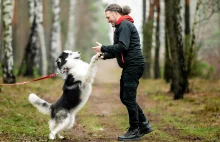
134	139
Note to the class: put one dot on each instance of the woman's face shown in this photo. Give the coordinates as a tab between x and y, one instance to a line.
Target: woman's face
112	17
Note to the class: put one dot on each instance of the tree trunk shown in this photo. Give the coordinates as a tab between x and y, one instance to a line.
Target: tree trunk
187	17
179	78
157	49
187	36
29	61
147	43
167	63
192	52
55	48
8	62
40	32
69	44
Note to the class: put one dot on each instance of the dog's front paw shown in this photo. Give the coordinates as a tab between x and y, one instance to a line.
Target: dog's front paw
99	55
96	57
52	136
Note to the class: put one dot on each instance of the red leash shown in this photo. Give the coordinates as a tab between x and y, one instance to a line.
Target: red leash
42	78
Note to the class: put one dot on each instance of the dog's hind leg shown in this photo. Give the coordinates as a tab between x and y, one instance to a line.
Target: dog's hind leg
60	123
52	125
71	122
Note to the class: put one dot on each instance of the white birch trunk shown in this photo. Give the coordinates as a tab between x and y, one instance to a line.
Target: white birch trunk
69	44
40	29
31	10
55	39
34	49
8	62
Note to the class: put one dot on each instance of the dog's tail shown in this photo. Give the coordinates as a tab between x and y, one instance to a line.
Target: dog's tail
42	106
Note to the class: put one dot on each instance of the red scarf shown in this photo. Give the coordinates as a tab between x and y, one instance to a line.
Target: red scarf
125	17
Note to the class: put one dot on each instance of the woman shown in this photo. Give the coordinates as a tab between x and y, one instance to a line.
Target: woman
126	49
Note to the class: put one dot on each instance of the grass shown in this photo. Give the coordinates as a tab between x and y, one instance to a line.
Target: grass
195	118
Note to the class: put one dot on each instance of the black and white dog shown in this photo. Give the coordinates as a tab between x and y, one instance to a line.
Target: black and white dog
77	88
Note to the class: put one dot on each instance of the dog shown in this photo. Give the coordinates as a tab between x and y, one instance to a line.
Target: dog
78	78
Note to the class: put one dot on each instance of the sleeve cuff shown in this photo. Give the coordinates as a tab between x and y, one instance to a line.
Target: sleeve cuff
103	48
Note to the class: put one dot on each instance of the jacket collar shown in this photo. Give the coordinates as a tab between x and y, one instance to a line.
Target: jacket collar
124	17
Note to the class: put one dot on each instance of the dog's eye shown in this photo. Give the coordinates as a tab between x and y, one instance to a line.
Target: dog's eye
70	53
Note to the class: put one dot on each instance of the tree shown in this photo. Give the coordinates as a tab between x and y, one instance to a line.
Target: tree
29	60
147	37
8	62
179	75
167	61
187	33
69	44
204	9
40	33
157	49
86	25
55	48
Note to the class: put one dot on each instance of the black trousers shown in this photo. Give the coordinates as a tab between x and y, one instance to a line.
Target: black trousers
128	90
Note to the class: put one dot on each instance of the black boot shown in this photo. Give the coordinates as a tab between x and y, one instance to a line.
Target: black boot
130	135
144	128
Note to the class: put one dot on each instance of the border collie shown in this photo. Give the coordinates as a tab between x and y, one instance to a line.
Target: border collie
78	78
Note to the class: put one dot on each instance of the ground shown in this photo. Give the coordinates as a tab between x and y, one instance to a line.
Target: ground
195	118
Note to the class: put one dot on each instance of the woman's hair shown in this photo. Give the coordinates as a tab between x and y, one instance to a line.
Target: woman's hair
125	10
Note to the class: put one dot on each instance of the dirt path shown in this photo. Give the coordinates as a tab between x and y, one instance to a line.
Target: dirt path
105	105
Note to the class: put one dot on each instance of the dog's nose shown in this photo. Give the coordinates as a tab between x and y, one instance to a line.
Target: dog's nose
78	52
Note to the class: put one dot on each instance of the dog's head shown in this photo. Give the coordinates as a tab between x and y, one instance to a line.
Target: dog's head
67	59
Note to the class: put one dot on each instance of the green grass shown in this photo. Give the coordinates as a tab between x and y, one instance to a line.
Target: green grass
195	118
18	116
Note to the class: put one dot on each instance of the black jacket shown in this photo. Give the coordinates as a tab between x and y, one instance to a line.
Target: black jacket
126	47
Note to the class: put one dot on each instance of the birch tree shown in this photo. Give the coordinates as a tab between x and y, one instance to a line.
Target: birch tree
69	44
8	63
40	32
55	48
29	61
